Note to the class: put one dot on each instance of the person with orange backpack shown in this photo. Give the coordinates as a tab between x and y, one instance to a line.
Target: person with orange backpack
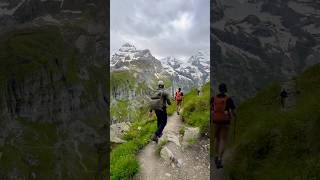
223	111
179	98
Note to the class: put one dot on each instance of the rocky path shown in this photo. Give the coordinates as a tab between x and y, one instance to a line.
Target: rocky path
181	157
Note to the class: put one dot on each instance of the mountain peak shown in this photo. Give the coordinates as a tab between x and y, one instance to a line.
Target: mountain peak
127	45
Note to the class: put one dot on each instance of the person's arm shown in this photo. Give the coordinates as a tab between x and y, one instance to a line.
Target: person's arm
168	99
231	108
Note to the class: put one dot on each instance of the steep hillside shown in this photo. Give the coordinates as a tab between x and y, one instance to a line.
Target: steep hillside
275	144
250	37
196	109
53	90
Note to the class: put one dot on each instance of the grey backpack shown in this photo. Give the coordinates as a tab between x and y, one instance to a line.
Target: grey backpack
157	100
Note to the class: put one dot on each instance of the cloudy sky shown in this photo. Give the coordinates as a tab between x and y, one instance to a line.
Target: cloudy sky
166	27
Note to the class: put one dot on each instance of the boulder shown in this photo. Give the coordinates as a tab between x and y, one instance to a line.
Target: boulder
190	133
171	137
117	131
166	154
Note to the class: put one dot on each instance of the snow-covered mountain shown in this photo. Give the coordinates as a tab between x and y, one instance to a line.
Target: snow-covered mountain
195	70
188	73
257	42
128	57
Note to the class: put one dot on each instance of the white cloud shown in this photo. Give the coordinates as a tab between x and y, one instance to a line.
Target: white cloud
183	22
167	27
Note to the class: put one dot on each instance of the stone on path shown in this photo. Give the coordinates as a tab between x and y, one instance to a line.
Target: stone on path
190	133
166	154
170	136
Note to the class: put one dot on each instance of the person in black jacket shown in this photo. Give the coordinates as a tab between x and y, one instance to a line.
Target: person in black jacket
161	113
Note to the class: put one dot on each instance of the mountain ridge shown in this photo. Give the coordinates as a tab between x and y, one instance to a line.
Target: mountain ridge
251	37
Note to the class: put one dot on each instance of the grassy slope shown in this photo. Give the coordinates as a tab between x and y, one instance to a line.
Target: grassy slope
196	108
272	144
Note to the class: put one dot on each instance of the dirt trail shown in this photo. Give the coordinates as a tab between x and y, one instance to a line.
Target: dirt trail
194	159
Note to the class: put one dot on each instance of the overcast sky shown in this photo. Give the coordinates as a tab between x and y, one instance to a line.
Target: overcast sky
167	27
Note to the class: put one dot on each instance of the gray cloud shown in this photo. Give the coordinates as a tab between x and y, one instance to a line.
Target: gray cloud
166	27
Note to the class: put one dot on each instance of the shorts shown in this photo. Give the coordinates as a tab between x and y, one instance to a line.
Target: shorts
219	128
179	103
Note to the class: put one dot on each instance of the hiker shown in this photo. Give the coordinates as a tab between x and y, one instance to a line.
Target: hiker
223	111
283	96
179	98
198	92
160	107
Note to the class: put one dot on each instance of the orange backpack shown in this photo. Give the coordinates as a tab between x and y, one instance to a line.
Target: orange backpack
220	115
178	96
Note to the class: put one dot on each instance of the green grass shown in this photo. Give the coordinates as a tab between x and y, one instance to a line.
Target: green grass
192	141
172	108
196	109
272	144
122	78
123	164
182	130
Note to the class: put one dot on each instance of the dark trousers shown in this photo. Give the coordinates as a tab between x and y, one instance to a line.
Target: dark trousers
161	120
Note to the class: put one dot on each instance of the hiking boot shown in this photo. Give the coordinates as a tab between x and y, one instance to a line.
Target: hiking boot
178	112
219	164
155	138
216	160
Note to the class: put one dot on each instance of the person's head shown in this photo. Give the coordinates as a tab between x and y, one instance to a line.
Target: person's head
179	89
223	88
160	84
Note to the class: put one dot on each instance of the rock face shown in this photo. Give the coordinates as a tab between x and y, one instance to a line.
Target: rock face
259	42
53	94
